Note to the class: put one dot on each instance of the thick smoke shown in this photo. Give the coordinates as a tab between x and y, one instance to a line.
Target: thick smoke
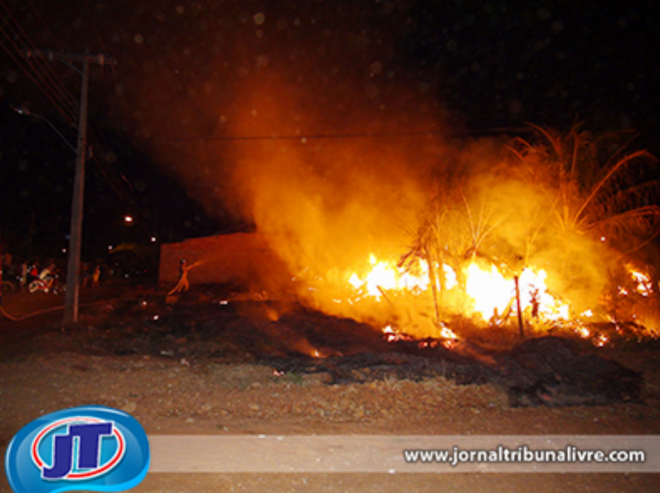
335	153
326	202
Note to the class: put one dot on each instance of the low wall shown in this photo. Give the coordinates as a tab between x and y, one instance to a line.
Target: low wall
241	258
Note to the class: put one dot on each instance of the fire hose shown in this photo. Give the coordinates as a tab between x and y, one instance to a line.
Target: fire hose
39	312
23	317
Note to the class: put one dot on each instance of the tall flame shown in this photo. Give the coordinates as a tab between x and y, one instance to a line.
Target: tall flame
386	276
489	293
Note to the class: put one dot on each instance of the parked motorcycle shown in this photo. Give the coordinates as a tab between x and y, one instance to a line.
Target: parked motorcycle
46	285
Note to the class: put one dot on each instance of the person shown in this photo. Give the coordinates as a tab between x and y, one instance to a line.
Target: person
24	274
33	272
47	275
85	274
96	276
183	284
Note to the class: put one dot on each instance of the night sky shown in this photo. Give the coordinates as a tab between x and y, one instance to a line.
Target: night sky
354	68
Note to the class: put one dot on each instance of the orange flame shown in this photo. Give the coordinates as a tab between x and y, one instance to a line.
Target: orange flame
385	276
490	293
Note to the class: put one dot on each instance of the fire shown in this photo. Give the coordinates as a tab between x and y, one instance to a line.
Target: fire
485	291
447	336
583	332
386	276
494	293
644	286
491	294
392	335
601	340
451	281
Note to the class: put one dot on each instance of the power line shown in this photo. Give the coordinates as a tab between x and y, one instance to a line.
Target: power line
96	30
341	136
35	78
40	72
37	70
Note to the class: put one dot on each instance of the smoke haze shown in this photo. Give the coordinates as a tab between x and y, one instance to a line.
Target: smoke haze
334	156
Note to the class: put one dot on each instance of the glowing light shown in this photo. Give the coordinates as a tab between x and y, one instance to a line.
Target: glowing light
385	275
583	332
493	294
601	340
392	335
451	281
644	285
447	333
489	290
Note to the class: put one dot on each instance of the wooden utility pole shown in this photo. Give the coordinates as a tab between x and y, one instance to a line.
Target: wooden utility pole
71	299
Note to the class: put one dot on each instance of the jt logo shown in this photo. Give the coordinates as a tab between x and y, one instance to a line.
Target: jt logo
77	453
88	449
91	448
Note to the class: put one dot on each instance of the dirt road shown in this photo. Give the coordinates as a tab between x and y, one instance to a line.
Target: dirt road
183	380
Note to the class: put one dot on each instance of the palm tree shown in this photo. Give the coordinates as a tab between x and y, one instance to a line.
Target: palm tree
601	187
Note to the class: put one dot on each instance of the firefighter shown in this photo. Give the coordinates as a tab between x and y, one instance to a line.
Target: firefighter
183	284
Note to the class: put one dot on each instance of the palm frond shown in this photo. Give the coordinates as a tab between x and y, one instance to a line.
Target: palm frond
641	218
617	167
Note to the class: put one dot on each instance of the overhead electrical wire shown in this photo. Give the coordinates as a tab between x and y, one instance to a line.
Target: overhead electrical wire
98	136
96	30
34	77
44	77
50	84
340	136
40	71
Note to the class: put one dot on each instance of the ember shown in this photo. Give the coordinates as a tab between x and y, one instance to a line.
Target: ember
643	283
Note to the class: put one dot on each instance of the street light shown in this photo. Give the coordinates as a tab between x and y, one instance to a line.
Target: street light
26	112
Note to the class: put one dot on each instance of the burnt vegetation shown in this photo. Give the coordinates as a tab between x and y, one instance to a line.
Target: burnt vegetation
199	328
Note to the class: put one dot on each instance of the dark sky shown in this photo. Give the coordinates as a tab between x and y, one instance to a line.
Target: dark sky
352	65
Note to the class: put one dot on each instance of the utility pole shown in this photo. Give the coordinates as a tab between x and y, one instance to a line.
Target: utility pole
71	299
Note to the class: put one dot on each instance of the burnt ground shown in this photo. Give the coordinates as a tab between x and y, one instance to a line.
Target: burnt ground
222	361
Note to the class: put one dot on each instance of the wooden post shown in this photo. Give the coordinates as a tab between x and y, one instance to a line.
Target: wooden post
520	317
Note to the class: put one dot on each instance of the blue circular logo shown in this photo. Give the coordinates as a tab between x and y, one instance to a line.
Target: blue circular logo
94	448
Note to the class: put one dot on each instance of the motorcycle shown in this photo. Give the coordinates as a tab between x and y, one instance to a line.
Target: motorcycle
46	285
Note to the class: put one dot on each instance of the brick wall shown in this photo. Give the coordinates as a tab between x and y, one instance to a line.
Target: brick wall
242	258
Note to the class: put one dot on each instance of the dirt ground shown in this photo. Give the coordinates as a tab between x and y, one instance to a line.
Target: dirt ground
209	363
